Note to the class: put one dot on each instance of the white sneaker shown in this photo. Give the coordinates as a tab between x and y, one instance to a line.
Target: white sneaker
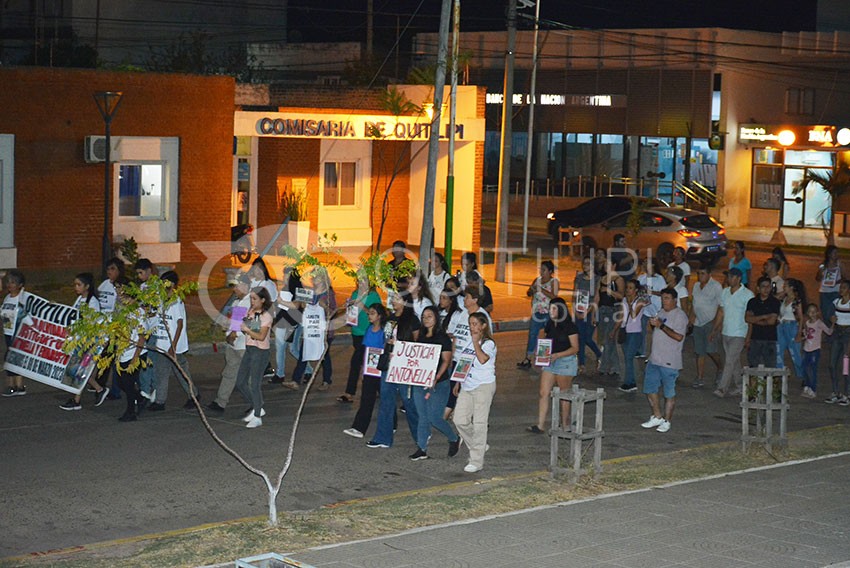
653	422
254	422
663	427
250	414
471	468
808	393
353	432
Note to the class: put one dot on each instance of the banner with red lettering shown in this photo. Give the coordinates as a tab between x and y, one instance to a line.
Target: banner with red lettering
414	364
36	352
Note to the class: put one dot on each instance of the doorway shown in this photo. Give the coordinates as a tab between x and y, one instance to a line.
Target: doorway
810	209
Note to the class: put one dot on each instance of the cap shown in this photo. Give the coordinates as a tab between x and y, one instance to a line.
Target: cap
736	272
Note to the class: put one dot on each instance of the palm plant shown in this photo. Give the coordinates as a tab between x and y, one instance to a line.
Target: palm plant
837	184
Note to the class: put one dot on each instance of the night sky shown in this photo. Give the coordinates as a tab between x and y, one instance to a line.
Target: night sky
345	20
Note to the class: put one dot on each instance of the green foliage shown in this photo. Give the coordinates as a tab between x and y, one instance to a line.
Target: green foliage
397	103
293	203
380	273
836	184
635	221
129	249
192	53
107	335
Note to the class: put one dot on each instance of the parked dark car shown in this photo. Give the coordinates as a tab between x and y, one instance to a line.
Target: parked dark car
595	210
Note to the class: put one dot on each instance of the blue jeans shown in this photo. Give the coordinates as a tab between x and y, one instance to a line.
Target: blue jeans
387	412
631	348
535	325
280	348
810	368
786	334
430	413
827	308
327	367
840	338
610	357
585	339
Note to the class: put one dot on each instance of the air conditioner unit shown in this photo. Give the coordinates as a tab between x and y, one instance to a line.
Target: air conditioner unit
95	149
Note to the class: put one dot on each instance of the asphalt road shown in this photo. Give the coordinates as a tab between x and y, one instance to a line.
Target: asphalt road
72	478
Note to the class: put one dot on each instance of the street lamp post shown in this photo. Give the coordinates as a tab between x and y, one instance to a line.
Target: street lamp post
107	104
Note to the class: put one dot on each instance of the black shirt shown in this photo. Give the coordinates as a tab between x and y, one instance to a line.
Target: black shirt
560	335
759	307
445	343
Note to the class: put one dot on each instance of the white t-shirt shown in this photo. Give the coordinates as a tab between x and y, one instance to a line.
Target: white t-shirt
268	285
166	330
681	292
127	355
481	373
842	312
436	283
94	303
107	295
459	328
419	305
706	300
654	283
686	269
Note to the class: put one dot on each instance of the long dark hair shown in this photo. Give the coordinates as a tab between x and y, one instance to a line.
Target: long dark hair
453	297
563	319
406	323
87	278
438	328
263	268
799	291
263	294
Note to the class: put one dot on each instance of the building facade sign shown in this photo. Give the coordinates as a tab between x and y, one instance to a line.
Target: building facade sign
614	101
351	126
814	136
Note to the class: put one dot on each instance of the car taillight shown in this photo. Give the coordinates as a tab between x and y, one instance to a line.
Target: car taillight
688	234
721	231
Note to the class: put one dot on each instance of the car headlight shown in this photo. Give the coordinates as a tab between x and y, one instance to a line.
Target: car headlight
550	216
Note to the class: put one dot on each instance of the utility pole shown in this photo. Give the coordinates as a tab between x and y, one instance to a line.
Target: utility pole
530	144
425	243
450	179
505	157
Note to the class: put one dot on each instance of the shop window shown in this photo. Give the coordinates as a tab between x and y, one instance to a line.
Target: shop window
767	186
799	101
340	184
140	190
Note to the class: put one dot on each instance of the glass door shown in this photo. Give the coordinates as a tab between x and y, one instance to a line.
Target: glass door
808	209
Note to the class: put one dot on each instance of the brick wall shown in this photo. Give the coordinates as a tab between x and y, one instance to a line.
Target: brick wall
279	161
389	157
59	197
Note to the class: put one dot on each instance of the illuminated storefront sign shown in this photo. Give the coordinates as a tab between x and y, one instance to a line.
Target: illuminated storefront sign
562	100
351	127
819	136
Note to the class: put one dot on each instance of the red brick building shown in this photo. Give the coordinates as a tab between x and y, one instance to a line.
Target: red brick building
172	140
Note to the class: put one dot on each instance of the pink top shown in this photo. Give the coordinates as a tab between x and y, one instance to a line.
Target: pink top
258	323
814	334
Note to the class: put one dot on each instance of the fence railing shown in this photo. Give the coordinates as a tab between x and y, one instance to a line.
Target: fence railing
673	192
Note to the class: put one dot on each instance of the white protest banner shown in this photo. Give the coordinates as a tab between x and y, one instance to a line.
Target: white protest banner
36	352
414	364
315	327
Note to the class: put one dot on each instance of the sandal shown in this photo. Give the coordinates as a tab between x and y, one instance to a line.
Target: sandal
345	398
524	364
534	429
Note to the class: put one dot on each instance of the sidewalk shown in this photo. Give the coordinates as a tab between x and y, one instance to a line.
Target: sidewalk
786	515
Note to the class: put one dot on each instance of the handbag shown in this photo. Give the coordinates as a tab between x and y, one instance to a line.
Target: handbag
621	335
384	359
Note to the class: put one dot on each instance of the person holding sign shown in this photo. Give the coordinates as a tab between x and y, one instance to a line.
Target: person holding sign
357	309
373	340
584	304
475	394
324	301
12	312
431	402
542	291
404	327
84	287
563	366
107	294
249	378
235	349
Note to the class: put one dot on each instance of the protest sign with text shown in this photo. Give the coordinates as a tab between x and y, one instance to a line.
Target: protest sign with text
36	351
414	364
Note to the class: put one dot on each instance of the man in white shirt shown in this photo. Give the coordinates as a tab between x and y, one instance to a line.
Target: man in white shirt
705	300
234	351
171	338
730	322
